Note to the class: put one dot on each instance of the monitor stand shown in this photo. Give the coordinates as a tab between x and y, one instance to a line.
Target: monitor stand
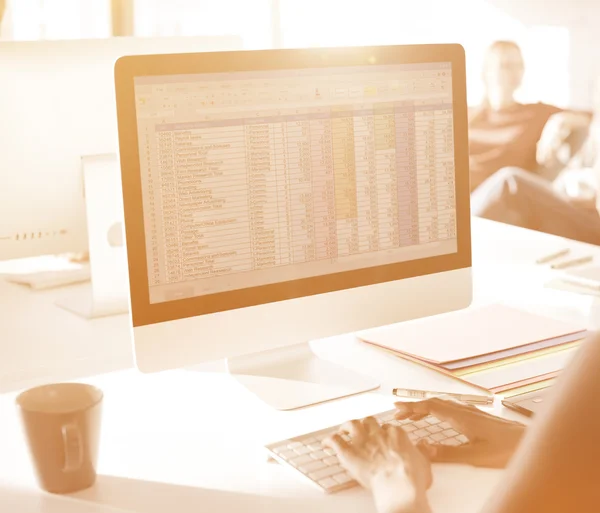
295	376
108	292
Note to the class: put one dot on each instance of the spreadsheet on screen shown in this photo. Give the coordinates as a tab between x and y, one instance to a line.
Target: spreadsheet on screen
252	178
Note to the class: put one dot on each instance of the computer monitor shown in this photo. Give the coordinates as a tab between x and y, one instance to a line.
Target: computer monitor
276	197
57	106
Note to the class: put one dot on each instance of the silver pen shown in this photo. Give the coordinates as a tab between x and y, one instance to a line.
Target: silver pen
571	263
484	400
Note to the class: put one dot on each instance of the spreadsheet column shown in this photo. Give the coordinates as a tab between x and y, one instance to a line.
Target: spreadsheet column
344	168
214	221
366	182
387	179
301	191
426	178
444	171
170	205
323	181
282	175
156	269
406	165
262	195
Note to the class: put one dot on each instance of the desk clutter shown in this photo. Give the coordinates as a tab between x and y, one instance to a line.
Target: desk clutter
496	348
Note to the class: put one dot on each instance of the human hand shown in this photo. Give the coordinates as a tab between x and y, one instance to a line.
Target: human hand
578	187
551	147
492	440
383	460
555	133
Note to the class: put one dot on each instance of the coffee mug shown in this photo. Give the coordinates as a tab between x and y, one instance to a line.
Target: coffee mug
62	426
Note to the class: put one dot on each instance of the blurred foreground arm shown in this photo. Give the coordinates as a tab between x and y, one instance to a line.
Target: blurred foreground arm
557	466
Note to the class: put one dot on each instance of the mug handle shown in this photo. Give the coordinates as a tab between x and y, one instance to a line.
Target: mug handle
73	446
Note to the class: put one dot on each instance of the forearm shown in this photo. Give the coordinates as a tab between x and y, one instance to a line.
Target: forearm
556	469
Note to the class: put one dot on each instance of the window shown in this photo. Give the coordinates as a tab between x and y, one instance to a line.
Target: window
250	19
26	20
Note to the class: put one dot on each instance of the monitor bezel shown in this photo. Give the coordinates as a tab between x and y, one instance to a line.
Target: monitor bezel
127	68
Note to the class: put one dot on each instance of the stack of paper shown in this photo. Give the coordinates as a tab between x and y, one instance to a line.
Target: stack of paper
494	347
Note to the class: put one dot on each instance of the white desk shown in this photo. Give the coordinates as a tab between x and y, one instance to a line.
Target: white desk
192	440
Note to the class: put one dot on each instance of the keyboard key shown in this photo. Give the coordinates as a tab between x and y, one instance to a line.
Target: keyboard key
326	472
438	437
462	439
318	455
331	460
312	466
432	420
421	424
310	441
301	450
328	483
315	447
409	428
295	445
287	455
342	478
450	432
445	425
434	429
280	449
421	433
412	437
301	460
329	451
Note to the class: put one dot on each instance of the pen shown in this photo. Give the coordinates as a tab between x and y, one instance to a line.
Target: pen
553	256
571	263
426	394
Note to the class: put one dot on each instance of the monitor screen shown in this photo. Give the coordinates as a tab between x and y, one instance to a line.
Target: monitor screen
263	177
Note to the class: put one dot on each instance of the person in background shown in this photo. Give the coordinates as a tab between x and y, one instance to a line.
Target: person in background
552	465
568	206
504	132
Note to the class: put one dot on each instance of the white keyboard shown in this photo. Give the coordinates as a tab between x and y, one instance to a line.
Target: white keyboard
40	280
307	457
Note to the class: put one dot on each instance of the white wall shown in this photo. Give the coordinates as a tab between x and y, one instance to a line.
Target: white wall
582	18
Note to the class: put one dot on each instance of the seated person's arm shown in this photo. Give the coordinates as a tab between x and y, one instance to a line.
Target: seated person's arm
559	128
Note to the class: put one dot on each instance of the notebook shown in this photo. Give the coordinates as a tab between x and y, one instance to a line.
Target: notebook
517	372
515	359
474	336
494	348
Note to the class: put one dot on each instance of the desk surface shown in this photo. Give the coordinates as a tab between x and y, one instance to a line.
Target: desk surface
194	439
